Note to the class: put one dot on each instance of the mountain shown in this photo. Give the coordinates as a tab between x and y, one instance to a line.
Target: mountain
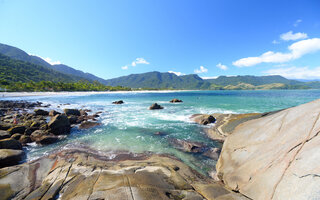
160	80
12	70
19	54
253	80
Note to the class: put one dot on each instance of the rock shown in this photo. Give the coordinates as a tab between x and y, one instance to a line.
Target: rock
85	174
88	124
59	125
155	106
41	112
9	157
160	133
188	146
118	102
203	119
176	101
4	135
47	139
72	112
16	136
275	156
10	143
37	134
73	119
53	113
29	131
4	126
17	129
24	139
83	113
212	153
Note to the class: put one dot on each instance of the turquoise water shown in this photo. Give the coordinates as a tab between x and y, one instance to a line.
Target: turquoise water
131	126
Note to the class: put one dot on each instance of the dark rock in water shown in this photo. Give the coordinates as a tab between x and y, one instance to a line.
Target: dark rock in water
10	143
53	113
9	157
72	112
176	101
212	153
24	139
155	106
41	112
59	125
204	119
47	139
17	129
4	135
18	104
16	136
4	126
73	119
83	113
88	124
188	146
118	102
160	133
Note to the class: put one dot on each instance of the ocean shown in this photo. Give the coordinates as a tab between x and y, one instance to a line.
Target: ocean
132	126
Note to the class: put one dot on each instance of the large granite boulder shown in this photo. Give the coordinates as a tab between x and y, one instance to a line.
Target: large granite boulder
84	174
203	119
9	157
155	106
17	129
72	112
10	143
4	135
41	112
276	156
59	125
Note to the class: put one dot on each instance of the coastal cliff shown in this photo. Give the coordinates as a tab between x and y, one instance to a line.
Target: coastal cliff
275	156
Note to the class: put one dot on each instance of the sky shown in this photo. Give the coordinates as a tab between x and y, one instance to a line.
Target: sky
111	38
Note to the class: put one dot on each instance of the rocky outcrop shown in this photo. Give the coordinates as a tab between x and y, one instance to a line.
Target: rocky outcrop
155	106
53	113
10	143
59	125
275	156
41	112
176	101
203	119
72	112
9	157
118	102
84	174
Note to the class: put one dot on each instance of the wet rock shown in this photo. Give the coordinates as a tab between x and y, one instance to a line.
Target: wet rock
155	106
16	136
24	139
4	135
9	157
37	134
41	112
10	143
212	153
59	125
4	126
118	102
73	119
188	146
204	119
47	139
176	101
53	113
83	113
72	112
160	133
88	124
17	129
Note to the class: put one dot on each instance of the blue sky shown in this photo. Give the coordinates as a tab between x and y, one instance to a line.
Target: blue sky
119	37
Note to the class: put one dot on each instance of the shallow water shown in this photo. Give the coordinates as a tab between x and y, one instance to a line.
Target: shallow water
131	126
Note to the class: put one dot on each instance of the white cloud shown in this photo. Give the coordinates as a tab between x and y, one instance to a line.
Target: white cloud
48	60
275	42
221	66
296	50
296	72
293	36
296	23
139	61
124	67
177	73
208	77
201	70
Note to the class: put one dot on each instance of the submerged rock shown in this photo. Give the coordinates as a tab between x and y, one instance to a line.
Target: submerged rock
88	124
155	106
84	174
176	101
59	125
275	156
188	146
9	157
118	102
